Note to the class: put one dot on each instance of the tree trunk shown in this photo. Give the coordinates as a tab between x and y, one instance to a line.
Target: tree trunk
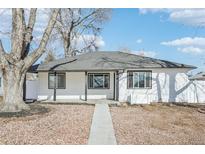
66	45
14	64
13	80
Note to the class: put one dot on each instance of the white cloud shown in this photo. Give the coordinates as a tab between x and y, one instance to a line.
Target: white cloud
89	37
151	54
154	10
191	17
99	41
139	41
186	41
81	41
192	50
190	45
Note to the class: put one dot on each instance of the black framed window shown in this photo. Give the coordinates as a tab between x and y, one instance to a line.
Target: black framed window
98	80
139	79
60	81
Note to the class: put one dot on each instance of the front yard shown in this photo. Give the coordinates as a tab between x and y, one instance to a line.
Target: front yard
63	124
158	124
138	124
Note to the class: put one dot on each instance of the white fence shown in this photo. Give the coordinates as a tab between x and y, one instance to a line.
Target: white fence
31	89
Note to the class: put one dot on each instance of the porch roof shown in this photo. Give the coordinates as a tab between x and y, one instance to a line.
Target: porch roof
101	60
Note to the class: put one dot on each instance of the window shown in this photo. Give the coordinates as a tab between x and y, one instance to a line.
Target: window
139	79
0	82
98	81
60	81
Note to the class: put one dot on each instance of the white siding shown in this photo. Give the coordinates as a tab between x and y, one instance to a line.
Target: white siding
75	87
168	85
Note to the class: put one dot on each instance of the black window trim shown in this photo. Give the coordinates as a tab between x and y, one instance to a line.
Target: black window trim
138	87
99	74
56	75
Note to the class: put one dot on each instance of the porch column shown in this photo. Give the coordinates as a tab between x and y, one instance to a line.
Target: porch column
114	86
86	80
54	89
24	89
117	86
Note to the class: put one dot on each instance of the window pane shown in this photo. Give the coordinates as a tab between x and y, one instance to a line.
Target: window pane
51	81
98	81
61	80
90	81
136	80
130	79
148	79
141	79
106	81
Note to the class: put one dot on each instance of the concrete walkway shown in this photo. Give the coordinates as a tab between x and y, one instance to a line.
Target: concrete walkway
102	132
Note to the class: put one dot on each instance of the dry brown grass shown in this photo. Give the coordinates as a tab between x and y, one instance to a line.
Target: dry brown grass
158	124
64	124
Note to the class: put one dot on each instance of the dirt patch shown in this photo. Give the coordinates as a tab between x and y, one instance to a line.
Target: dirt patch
158	124
63	124
35	109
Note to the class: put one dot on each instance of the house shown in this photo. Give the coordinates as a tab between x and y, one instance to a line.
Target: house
118	76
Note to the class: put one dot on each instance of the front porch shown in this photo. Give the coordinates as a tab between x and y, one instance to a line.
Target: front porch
76	101
79	87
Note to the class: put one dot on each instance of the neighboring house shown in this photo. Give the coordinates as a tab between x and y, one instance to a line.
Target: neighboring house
199	77
118	76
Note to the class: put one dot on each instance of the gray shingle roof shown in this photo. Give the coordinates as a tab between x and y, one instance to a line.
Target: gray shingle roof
108	61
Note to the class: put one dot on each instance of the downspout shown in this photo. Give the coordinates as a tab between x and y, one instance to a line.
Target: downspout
86	80
114	86
24	89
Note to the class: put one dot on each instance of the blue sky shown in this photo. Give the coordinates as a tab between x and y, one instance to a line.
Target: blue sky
144	31
171	34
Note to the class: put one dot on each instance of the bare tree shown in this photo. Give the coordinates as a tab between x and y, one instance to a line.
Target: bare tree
49	57
15	63
74	25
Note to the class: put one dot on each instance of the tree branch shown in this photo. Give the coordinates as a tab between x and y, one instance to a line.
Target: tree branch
33	57
3	60
29	31
83	19
18	29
